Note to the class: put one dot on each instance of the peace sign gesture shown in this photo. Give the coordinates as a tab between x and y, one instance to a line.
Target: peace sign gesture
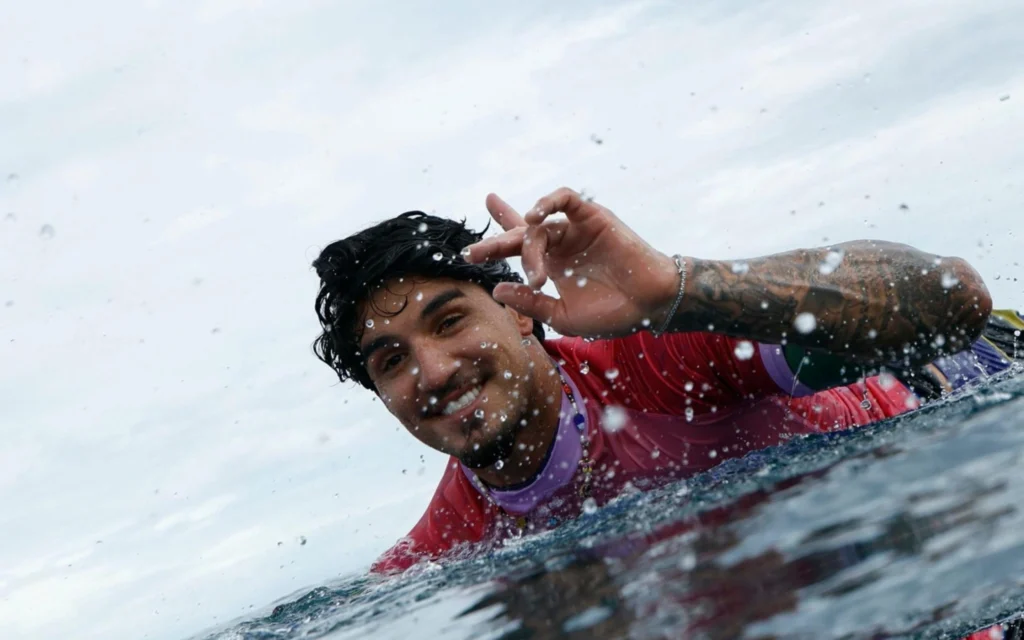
610	282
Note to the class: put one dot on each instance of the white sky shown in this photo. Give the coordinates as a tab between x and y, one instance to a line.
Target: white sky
165	425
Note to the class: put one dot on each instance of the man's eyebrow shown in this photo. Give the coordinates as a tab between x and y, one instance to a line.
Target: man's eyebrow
439	301
431	307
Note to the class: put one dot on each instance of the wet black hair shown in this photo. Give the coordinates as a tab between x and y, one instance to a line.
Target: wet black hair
410	245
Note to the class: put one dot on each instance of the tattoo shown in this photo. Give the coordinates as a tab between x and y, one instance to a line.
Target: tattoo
874	303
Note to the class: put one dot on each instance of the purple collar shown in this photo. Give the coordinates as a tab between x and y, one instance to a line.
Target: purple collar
561	465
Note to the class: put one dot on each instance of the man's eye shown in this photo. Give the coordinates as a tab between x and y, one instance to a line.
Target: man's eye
391	362
449	321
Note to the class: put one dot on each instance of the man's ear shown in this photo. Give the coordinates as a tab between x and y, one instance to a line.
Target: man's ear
523	322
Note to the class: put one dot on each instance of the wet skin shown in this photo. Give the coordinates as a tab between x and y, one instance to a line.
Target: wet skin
431	340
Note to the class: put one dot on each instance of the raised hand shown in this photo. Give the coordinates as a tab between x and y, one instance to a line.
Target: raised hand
610	282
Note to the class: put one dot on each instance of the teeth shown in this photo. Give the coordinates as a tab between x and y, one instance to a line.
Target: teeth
462	402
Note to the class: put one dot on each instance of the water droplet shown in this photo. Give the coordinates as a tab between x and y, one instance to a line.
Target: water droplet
940	340
614	419
465	252
479	414
476	446
740	267
507	375
646	322
437	256
831	262
764	304
525	342
423	227
589	506
949	280
688	561
805	322
483	344
689	414
713	454
872	334
47	231
688	385
744	350
584	367
655	454
581	281
886	380
612	373
415	371
369	323
419	296
499	465
568	272
432	400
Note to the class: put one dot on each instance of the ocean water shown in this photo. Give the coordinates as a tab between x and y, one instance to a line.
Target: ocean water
912	527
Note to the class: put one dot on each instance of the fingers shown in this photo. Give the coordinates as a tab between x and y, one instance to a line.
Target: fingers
503	213
537	305
505	245
563	200
511	244
535	245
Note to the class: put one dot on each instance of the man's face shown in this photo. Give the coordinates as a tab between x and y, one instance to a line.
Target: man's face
451	365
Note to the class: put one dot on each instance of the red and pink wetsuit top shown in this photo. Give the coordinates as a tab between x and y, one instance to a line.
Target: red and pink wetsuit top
656	409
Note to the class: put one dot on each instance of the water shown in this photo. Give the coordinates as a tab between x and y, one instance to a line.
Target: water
909	528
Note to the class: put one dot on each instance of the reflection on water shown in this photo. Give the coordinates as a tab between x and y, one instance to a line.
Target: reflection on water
675	577
912	528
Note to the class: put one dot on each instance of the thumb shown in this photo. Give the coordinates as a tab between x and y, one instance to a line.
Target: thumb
530	302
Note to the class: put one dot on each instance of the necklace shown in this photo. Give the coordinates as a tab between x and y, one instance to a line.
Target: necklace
585	465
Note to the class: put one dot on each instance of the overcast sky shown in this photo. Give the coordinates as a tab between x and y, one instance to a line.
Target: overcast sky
169	169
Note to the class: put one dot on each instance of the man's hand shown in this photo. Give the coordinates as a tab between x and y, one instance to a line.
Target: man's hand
610	282
870	302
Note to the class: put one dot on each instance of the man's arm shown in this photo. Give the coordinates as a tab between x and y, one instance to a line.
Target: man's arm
882	304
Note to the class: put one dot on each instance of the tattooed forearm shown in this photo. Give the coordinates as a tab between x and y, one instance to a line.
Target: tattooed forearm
872	302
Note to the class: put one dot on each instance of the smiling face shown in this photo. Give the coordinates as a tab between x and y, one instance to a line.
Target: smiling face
454	366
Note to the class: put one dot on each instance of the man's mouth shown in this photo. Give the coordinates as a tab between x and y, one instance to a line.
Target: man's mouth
461	404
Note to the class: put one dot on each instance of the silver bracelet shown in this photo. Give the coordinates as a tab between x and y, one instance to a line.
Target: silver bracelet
681	268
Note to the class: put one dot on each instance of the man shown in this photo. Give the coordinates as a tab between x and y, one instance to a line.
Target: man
672	364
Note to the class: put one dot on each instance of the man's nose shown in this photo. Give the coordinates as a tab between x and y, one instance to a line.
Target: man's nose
437	366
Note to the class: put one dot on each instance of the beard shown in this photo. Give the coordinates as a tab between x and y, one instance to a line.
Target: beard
498	447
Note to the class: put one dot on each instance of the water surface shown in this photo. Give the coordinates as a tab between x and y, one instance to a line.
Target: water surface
908	528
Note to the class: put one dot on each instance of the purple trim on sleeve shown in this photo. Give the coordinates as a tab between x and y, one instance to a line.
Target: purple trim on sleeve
777	367
980	361
557	472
